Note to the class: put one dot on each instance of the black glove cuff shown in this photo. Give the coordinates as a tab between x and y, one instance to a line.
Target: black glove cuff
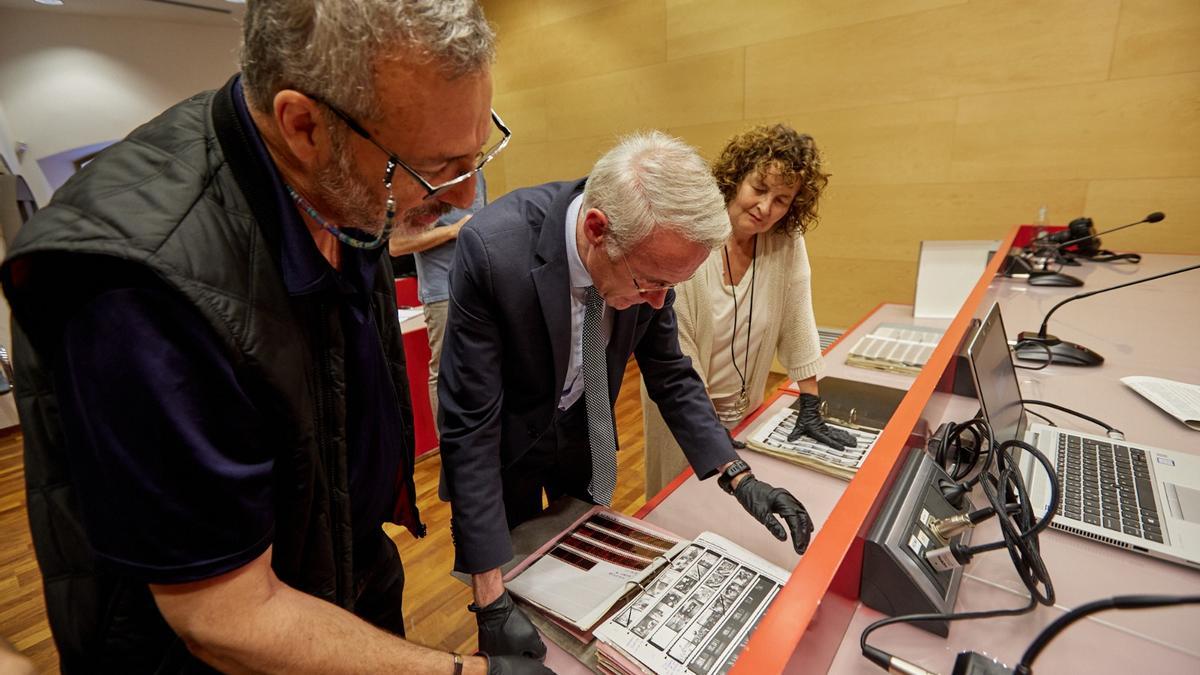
500	604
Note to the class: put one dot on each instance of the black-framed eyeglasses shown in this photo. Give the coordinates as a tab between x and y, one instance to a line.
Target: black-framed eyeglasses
394	160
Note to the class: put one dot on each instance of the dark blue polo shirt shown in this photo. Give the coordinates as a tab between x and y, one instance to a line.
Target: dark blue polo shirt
172	462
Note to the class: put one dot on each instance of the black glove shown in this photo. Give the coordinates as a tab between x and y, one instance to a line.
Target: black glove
516	665
737	445
765	503
810	423
505	630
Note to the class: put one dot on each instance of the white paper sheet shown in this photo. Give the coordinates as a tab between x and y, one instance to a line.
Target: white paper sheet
697	616
586	571
1178	399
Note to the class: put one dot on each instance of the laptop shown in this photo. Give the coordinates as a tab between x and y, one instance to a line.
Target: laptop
1128	495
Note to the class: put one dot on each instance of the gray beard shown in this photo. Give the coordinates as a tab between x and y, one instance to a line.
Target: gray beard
353	204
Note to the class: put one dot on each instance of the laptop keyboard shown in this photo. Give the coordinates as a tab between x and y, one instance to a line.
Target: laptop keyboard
1107	485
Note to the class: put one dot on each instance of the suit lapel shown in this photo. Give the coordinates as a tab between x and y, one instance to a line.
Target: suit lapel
552	279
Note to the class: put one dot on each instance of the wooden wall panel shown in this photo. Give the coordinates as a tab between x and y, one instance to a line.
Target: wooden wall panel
524	111
902	143
537	163
551	11
939	119
1157	37
605	40
888	222
1112	203
700	26
1121	129
846	288
510	16
673	93
969	49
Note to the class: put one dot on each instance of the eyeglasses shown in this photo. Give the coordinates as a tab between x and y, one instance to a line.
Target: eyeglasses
394	160
647	289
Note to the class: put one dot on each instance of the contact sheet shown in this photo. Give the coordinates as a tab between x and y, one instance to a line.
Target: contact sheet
696	616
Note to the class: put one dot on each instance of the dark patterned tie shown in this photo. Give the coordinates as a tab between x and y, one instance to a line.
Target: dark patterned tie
599	412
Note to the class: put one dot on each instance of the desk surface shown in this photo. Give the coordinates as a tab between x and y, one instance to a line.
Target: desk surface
688	511
1144	330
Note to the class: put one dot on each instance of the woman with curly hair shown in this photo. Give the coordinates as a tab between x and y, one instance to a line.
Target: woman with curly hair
751	300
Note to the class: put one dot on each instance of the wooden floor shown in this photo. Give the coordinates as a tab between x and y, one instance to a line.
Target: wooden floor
434	603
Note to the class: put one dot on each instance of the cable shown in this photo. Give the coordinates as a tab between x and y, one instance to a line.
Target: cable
1106	256
884	660
1111	430
952	449
1025	667
1035	343
1001	482
1042	417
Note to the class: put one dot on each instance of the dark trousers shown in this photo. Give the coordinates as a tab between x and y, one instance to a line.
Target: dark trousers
379	583
559	463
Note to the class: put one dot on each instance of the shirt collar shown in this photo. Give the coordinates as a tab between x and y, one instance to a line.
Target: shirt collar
580	278
304	269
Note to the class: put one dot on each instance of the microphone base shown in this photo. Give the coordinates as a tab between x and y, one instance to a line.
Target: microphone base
1032	347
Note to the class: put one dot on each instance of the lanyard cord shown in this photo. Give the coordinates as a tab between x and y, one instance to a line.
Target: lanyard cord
750	323
367	244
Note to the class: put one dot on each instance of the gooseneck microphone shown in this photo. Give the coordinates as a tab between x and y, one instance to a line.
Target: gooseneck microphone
1152	218
1043	347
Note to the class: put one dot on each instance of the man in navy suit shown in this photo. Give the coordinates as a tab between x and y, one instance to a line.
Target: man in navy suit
553	287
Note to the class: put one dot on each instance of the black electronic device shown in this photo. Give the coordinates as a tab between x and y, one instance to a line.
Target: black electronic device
1079	229
896	576
1087	242
1053	279
1038	264
1042	347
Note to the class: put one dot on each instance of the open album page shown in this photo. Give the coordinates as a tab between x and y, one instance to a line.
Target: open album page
591	567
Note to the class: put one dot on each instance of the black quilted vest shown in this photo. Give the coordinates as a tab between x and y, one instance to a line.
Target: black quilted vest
182	202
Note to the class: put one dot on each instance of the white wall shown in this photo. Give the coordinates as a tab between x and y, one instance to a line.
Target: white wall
68	80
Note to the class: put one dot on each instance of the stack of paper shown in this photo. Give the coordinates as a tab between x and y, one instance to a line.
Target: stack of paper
696	617
894	347
770	435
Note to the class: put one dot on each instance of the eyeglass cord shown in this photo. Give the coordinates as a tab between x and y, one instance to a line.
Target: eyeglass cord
343	237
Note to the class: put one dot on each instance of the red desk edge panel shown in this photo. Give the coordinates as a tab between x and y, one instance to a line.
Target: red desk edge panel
833	561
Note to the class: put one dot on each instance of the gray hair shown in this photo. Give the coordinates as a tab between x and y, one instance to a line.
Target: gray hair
330	48
652	180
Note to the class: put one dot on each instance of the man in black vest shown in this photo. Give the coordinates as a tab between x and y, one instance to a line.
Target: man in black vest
216	412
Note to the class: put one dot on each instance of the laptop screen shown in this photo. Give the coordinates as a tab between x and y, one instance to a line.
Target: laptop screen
996	379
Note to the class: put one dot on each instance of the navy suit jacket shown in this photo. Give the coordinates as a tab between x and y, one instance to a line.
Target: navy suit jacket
505	355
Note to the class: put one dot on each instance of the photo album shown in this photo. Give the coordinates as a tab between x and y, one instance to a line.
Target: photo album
653	602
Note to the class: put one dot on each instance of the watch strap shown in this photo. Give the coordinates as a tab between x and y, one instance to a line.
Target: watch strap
736	468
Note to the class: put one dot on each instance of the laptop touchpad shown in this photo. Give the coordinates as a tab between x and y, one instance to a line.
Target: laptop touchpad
1184	502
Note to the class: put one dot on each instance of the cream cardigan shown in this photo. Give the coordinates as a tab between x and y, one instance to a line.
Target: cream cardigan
783	297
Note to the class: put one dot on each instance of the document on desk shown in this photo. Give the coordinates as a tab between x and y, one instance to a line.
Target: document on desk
1178	399
696	617
603	557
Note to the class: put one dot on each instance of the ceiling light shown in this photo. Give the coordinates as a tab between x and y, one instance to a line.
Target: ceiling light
49	2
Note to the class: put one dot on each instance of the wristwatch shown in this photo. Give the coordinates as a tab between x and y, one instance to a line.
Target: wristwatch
725	480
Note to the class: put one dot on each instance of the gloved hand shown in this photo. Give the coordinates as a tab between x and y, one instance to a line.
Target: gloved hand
516	665
505	630
810	423
765	503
